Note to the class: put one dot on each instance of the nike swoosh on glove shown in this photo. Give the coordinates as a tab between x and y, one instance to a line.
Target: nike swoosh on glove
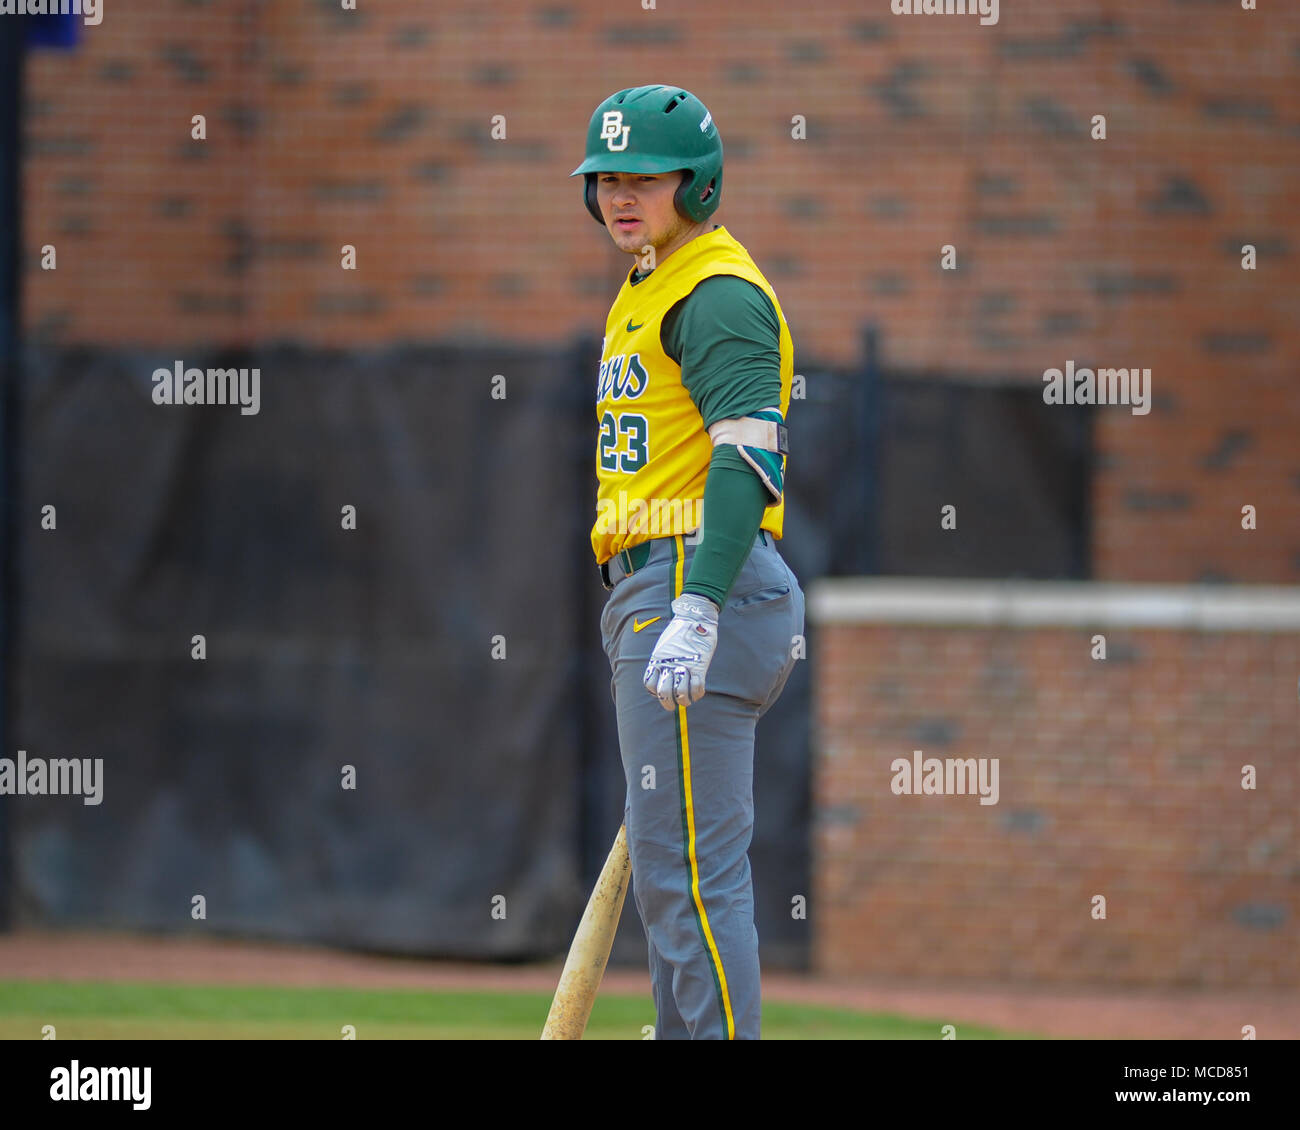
681	657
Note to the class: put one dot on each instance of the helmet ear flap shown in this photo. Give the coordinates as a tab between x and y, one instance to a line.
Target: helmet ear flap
679	197
683	200
589	198
692	207
689	204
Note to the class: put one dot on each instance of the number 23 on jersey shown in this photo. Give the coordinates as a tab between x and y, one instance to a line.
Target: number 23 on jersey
624	439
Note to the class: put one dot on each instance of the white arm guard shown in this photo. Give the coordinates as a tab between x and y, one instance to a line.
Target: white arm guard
762	443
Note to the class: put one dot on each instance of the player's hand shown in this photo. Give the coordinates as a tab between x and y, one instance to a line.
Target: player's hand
675	673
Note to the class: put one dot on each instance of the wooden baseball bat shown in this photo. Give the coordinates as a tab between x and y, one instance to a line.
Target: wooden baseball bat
585	965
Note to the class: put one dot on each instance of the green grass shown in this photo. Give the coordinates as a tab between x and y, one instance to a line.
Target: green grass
134	1011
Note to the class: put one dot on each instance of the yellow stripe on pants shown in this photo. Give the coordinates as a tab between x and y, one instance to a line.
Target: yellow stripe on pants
690	826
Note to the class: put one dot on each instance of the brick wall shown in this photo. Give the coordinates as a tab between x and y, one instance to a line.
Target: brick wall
372	128
1119	777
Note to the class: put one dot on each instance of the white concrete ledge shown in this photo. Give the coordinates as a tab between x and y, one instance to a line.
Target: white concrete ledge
1077	604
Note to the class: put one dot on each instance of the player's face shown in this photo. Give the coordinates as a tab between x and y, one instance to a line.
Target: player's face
646	199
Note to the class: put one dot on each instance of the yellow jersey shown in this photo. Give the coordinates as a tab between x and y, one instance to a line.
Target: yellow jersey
653	453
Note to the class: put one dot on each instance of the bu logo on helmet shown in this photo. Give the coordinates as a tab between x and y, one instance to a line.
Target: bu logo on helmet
611	127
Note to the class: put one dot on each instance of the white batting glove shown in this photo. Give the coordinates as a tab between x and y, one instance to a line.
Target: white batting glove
675	673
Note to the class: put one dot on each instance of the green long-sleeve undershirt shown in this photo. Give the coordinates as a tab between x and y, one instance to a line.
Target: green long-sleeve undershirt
726	337
734	501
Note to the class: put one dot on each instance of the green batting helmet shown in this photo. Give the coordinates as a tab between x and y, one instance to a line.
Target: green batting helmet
656	129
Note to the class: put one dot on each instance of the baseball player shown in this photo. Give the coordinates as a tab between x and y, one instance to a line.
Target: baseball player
703	613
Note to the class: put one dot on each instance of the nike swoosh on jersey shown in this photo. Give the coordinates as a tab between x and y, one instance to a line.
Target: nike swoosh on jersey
637	625
631	328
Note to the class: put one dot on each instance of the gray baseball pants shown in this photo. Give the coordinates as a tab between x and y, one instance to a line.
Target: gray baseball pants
690	802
